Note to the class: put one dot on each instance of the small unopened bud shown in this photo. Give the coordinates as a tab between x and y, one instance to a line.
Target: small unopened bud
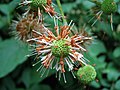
86	74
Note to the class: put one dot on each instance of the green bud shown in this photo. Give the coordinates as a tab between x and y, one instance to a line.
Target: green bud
60	48
108	6
38	3
86	74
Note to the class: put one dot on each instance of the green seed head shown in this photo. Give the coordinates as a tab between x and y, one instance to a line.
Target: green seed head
108	6
86	74
60	48
38	3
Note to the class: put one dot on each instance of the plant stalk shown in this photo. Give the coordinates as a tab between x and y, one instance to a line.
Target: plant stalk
61	11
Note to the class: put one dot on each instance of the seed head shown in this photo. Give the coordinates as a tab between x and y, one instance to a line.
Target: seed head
61	52
25	27
108	6
86	74
38	3
60	48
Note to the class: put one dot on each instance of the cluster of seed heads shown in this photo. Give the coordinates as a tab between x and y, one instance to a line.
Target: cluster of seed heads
61	51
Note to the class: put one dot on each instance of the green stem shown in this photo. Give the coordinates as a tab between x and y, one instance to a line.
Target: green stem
61	11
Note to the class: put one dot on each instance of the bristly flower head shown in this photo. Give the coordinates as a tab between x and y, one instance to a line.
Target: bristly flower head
61	52
106	7
26	27
39	5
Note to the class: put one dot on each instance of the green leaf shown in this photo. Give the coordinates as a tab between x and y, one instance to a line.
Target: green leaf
113	75
13	4
116	52
26	77
19	89
9	83
39	87
97	48
117	85
105	27
95	84
9	8
4	8
12	53
88	4
31	76
119	8
3	21
70	6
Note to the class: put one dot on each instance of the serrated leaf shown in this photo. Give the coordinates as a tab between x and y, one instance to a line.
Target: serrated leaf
12	53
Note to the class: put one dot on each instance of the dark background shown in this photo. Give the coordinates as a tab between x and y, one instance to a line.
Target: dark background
17	73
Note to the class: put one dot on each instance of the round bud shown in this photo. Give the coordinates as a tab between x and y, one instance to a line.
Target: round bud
108	6
38	3
86	74
60	48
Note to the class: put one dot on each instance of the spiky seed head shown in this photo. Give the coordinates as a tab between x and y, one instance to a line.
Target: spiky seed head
38	3
86	74
108	6
60	48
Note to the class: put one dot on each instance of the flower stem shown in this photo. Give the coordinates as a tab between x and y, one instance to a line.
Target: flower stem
61	11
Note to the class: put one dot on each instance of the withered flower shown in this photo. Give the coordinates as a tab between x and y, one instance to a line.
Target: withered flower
61	52
25	26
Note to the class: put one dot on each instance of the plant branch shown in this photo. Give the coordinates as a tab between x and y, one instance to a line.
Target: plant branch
61	11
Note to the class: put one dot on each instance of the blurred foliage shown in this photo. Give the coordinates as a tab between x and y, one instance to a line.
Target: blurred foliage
16	72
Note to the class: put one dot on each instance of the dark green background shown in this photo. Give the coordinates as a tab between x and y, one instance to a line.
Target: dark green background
17	73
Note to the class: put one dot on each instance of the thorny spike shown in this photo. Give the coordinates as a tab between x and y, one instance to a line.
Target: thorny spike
37	32
111	21
98	17
56	26
24	14
59	75
56	75
39	15
25	2
36	63
64	77
47	12
43	72
39	68
32	54
72	26
47	72
70	23
36	57
73	74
